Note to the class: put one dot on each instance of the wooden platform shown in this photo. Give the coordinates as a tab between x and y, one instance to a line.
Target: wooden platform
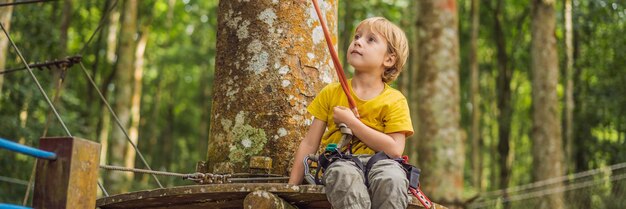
220	196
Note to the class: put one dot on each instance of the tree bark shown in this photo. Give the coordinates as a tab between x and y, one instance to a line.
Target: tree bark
504	97
124	69
271	62
5	19
441	144
546	133
475	97
569	83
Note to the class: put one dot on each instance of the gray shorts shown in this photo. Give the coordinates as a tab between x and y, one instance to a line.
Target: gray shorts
345	185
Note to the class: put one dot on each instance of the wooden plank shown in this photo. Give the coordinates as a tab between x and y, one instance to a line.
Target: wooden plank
221	196
70	181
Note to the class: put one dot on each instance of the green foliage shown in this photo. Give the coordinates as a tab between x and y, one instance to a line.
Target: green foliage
180	60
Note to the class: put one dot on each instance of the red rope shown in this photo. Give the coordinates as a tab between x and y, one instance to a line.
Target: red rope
338	68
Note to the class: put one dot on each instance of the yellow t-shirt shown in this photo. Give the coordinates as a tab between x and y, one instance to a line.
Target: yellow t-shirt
387	113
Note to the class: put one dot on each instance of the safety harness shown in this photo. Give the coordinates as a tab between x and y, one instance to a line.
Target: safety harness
333	152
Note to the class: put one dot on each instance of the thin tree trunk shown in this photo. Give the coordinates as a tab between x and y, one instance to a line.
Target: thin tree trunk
114	20
475	97
569	85
5	19
135	110
348	20
504	98
441	147
125	70
271	62
411	75
66	19
546	132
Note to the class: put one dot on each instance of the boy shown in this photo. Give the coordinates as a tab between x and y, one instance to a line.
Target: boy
377	53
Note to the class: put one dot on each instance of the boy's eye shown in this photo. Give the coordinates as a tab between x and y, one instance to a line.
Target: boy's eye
357	36
371	39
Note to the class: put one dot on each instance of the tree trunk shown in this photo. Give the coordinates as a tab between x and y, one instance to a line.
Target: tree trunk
569	83
135	109
66	18
125	70
475	97
348	19
546	133
441	147
114	20
5	19
504	97
411	75
271	62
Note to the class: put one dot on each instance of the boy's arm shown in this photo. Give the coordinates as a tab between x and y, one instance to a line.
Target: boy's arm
309	145
392	144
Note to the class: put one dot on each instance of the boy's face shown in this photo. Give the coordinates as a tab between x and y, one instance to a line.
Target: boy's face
368	51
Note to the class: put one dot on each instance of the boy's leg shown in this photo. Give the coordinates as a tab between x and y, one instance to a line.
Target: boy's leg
388	185
345	186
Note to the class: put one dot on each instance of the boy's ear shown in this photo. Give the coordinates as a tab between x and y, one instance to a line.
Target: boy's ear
390	60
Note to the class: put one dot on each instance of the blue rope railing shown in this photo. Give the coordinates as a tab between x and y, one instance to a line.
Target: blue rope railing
16	147
7	206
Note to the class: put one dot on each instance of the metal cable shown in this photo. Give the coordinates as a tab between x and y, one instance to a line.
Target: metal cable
556	180
137	170
24	2
104	191
192	175
257	179
30	71
545	192
102	21
117	121
13	180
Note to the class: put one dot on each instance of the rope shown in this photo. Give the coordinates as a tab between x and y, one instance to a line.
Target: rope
117	121
30	71
24	2
338	68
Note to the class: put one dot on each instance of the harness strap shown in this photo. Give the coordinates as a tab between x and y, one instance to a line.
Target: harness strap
329	157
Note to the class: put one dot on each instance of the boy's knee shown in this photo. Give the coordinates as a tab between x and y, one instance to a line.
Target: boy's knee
342	171
388	172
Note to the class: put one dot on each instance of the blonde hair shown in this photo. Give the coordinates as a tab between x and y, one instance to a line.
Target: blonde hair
397	44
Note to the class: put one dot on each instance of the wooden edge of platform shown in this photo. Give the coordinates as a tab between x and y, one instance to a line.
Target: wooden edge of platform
283	190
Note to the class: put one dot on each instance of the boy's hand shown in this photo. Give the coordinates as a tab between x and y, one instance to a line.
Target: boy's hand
343	115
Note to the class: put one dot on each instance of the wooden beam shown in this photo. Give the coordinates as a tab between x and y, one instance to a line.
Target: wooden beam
70	181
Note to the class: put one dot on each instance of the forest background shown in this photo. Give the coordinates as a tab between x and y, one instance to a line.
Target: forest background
158	73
